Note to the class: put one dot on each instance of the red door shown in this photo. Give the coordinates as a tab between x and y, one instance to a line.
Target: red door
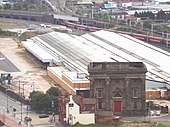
117	106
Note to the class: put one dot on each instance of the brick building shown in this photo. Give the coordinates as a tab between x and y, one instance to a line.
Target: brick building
118	86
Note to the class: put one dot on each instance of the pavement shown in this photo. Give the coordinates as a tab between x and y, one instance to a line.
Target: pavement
8	119
11	121
28	72
23	67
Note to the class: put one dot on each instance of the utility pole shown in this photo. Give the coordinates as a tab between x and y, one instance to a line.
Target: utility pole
167	36
152	29
7	100
149	112
92	11
20	98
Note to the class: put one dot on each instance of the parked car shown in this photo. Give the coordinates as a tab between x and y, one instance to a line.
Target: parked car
43	115
28	119
151	113
158	113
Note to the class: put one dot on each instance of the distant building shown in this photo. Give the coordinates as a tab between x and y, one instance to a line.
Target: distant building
157	90
118	86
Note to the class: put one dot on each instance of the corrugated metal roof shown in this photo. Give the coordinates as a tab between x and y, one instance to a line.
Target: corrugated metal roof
104	46
38	51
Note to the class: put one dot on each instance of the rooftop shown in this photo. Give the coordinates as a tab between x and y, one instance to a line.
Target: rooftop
77	52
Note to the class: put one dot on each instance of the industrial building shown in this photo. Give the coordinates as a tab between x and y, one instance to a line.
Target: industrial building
76	52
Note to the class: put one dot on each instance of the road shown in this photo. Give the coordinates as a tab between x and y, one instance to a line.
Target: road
6	65
8	103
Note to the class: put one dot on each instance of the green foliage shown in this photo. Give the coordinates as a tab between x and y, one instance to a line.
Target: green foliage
148	14
147	24
7	7
161	15
79	10
4	33
121	124
163	125
53	92
1	7
40	102
26	35
25	6
152	106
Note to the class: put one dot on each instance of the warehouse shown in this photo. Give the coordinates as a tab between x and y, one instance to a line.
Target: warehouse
76	52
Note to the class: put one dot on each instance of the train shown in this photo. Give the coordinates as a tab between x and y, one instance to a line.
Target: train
147	38
80	26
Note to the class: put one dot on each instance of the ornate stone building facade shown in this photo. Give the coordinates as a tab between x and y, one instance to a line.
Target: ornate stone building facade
118	86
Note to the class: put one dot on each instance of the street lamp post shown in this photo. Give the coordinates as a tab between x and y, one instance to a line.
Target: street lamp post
20	97
7	100
27	106
167	36
149	112
152	29
92	11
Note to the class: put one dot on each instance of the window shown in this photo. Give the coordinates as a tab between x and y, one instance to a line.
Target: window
100	81
71	105
117	82
99	93
135	105
100	104
135	93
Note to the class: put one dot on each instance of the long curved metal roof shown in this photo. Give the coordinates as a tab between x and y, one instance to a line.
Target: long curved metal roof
77	51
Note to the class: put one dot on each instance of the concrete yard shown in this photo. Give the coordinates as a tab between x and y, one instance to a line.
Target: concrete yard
23	67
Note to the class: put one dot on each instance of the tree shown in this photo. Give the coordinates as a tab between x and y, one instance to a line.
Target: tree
147	24
161	15
136	14
53	91
40	102
151	15
45	102
152	106
7	7
1	7
79	10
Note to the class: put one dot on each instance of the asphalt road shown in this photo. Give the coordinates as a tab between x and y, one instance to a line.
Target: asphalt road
6	101
6	65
